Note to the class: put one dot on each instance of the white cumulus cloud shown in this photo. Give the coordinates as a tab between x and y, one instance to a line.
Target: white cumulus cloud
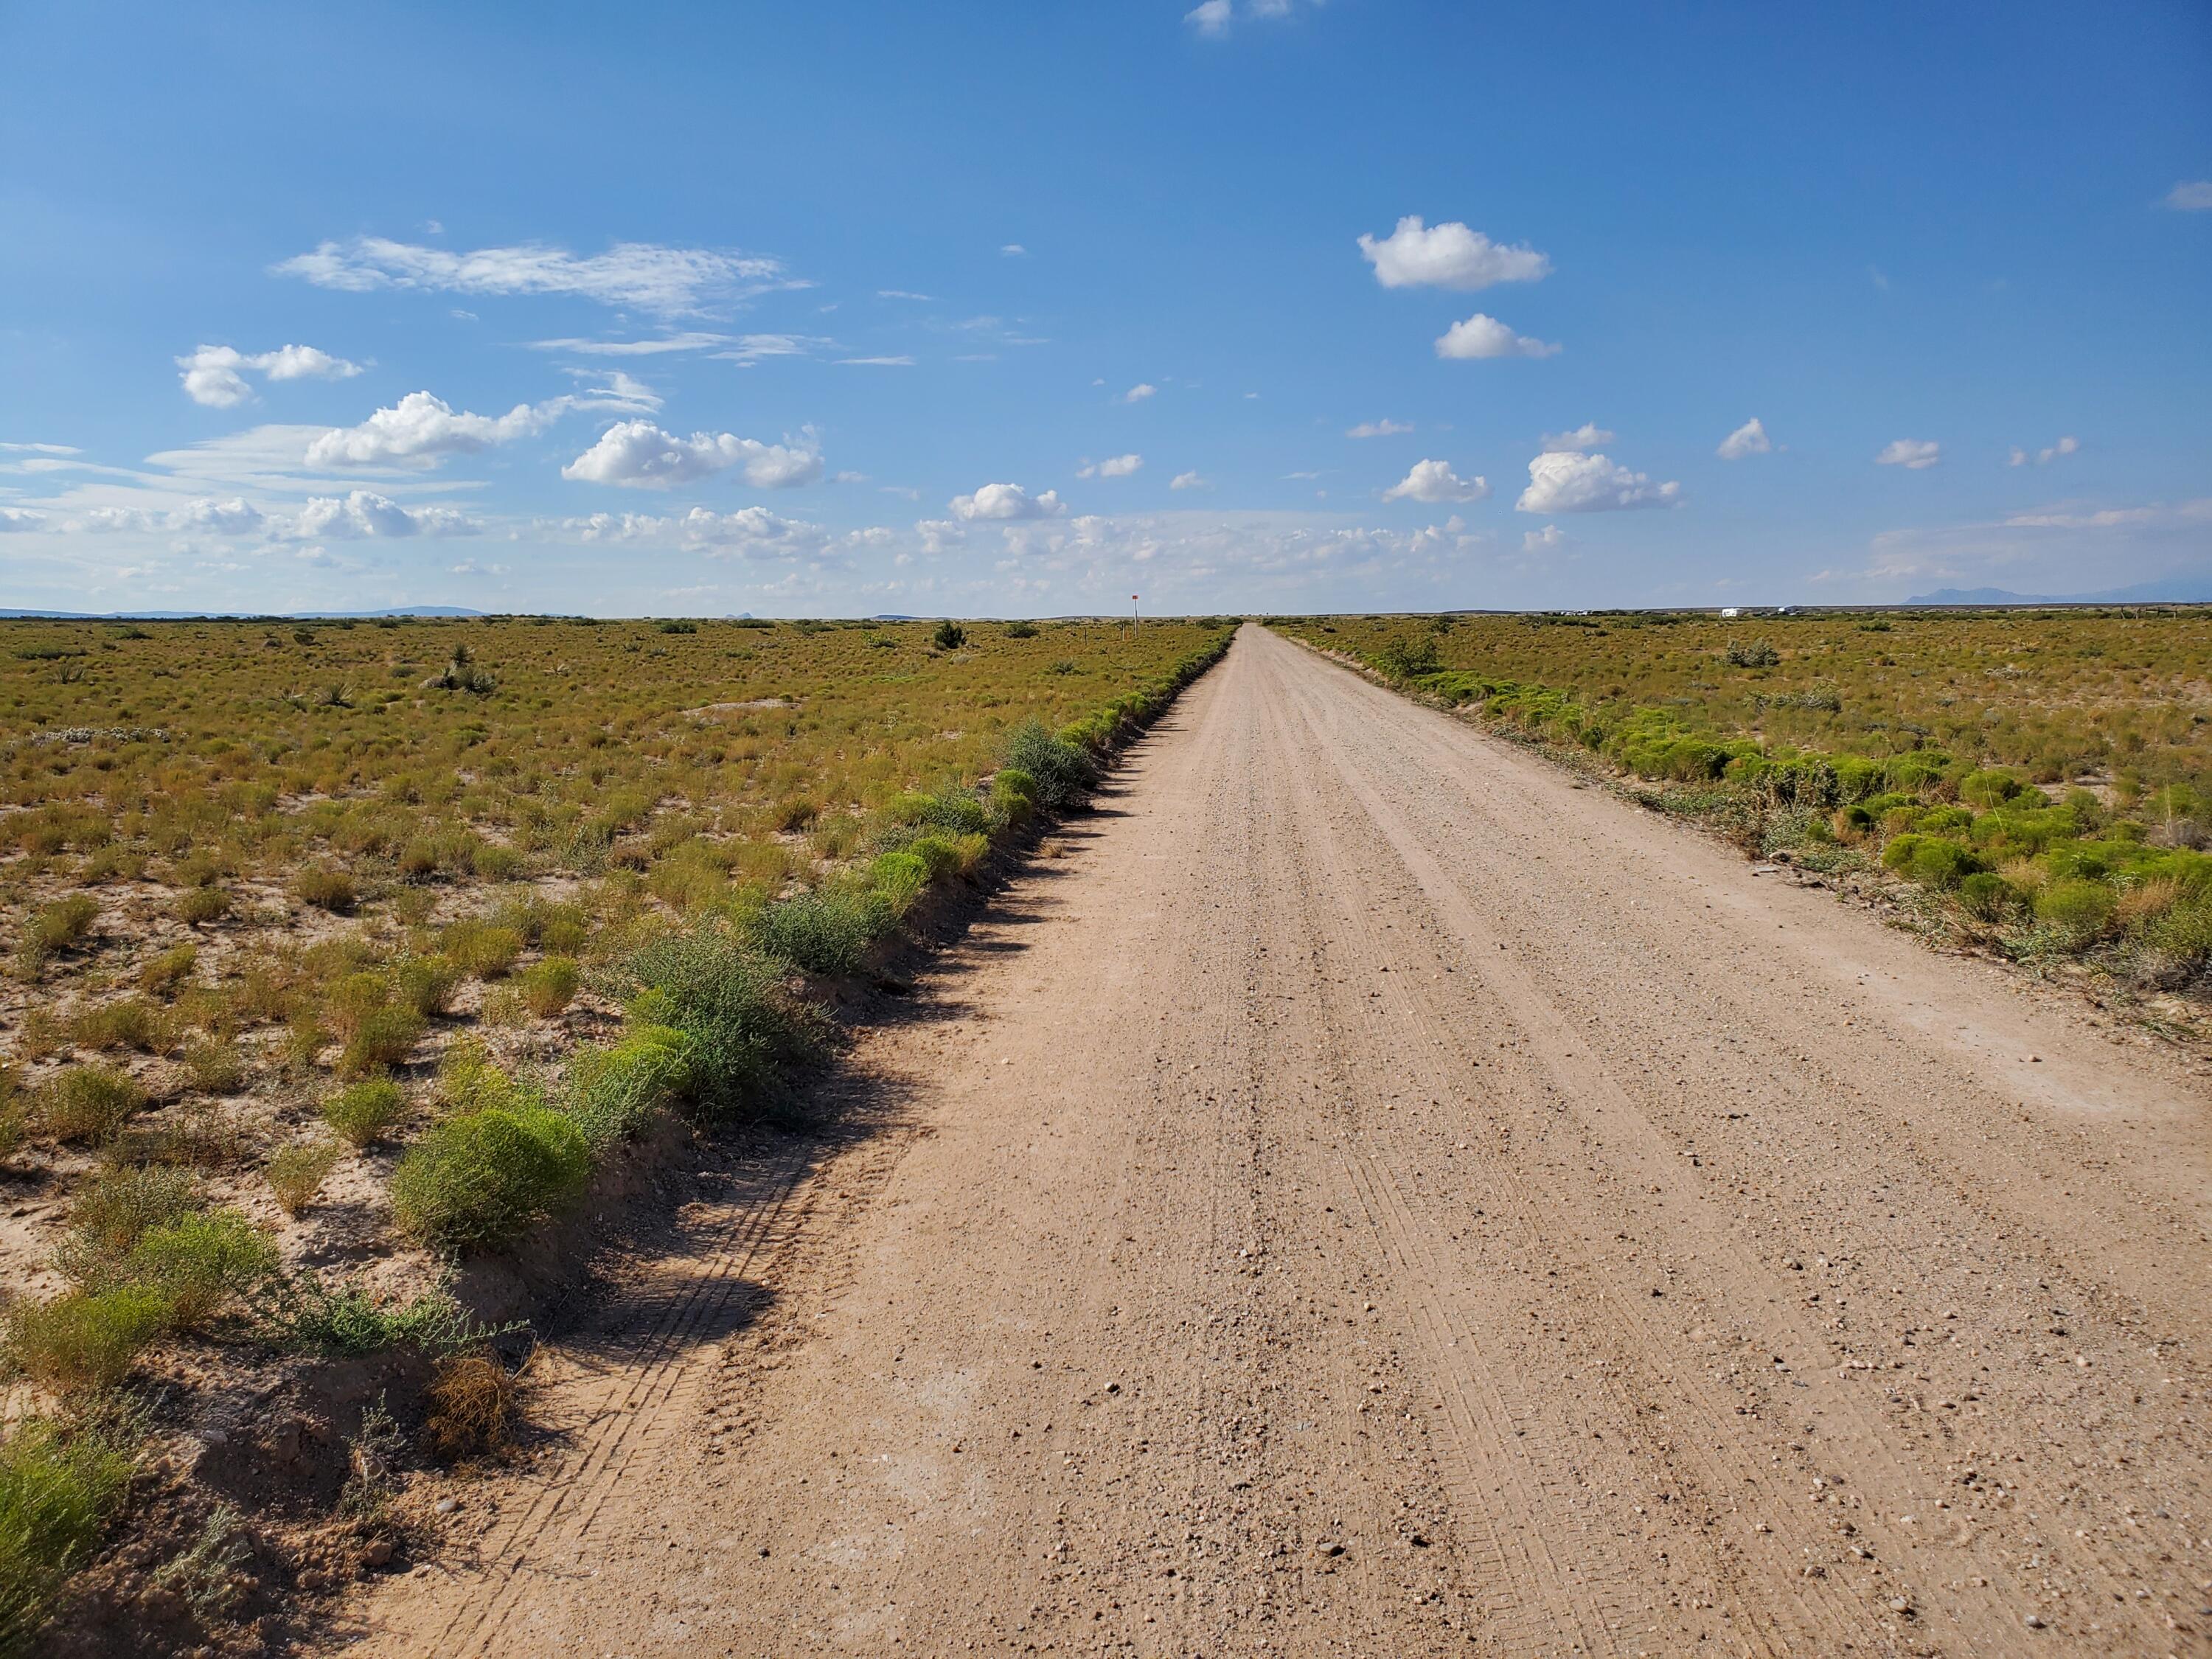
1114	466
1542	541
1138	392
640	455
2044	457
420	428
1910	453
1008	501
1434	480
1448	256
21	518
1589	435
1562	481
1191	480
363	513
669	281
1486	337
1384	428
2190	195
1749	439
215	375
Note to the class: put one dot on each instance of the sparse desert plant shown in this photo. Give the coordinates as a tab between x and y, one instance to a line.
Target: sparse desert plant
295	1173
361	1114
169	969
345	1317
58	1487
54	929
130	1022
1758	654
1019	630
87	1102
215	1067
479	1180
950	636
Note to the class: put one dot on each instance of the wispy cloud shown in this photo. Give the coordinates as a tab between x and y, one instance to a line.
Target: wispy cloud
666	280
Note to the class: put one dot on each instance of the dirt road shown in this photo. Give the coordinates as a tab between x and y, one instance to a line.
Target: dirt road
1373	1196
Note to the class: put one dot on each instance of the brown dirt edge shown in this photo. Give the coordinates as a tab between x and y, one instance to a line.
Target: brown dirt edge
1898	904
278	1450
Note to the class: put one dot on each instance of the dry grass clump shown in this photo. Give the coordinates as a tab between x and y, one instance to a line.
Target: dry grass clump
474	1403
296	1173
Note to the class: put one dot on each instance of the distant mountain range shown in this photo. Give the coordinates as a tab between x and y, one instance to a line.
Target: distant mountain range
2170	590
211	616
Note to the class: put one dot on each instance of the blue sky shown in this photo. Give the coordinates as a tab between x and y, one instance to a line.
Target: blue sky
989	309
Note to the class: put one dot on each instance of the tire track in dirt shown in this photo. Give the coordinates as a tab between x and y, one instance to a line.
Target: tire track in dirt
1370	1196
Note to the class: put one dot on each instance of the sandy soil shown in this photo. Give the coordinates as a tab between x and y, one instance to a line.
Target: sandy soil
1374	1196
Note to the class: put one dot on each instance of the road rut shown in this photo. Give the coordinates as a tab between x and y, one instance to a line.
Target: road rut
1364	1193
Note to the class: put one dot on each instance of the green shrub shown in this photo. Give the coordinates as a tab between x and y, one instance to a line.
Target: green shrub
1987	788
83	1340
360	1114
548	987
199	1263
426	984
382	1038
1019	630
1401	660
87	1102
1061	770
57	1490
827	931
198	906
469	1082
325	890
479	1180
898	878
748	1029
614	1091
2080	909
482	950
296	1173
1013	795
948	636
1929	860
951	809
1986	896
